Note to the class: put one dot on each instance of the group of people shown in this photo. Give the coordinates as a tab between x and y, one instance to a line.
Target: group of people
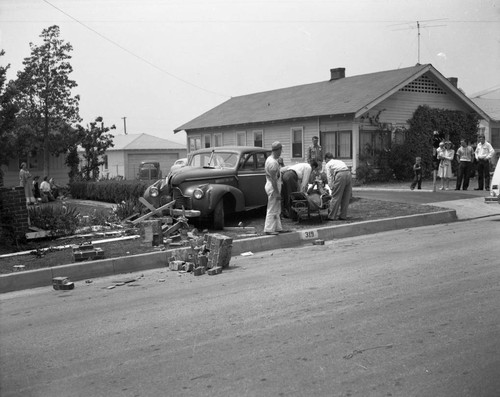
282	181
34	191
465	155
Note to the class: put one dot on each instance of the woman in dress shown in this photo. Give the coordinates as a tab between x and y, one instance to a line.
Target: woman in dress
24	181
446	155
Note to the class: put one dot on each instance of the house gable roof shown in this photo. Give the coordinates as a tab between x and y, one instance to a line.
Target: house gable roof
490	106
350	95
142	142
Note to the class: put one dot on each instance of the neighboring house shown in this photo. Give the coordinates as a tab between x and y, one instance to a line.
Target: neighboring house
491	127
338	111
124	158
57	169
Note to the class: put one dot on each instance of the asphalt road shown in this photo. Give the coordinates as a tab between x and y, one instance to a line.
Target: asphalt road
406	313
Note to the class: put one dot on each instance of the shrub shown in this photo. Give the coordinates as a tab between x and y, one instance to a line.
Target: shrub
57	218
127	208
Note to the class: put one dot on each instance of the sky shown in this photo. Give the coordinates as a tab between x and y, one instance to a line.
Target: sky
149	66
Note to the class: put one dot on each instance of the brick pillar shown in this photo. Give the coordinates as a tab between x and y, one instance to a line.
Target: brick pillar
13	214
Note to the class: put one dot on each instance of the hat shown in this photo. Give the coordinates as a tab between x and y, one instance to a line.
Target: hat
276	146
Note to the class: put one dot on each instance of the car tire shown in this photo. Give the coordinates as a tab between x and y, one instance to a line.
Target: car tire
218	215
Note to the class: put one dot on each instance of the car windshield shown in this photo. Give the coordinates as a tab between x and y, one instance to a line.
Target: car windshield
214	160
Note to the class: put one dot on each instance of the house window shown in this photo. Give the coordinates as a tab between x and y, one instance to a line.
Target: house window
297	142
217	139
257	138
194	143
495	138
339	143
207	141
105	161
372	143
241	138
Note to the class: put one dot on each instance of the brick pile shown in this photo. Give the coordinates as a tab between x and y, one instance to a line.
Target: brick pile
209	258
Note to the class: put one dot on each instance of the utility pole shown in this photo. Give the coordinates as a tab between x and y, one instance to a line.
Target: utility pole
124	125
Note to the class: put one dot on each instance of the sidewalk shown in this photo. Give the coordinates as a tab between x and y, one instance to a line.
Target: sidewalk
469	204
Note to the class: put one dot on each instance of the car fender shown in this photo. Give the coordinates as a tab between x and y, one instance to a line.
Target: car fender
213	193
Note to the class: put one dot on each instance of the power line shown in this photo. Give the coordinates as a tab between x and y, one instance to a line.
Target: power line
135	55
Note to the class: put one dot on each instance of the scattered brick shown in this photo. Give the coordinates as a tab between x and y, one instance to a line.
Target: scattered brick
188	266
215	270
176	265
198	271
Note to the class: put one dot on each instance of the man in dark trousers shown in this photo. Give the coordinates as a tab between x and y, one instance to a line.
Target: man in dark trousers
465	157
484	153
340	182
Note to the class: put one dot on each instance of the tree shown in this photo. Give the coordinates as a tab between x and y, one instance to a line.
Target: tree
452	124
95	140
45	101
8	111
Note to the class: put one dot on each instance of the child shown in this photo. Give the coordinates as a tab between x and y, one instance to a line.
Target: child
36	189
417	171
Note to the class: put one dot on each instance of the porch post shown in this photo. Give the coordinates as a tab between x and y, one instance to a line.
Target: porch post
355	146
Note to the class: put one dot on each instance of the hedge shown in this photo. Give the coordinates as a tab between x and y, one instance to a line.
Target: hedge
109	191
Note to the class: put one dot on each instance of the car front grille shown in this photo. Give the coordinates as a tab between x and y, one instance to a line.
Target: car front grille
180	200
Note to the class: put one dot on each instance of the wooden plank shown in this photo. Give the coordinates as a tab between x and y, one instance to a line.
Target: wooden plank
156	211
147	204
40	234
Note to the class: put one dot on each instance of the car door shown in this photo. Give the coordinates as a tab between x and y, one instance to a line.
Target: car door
252	179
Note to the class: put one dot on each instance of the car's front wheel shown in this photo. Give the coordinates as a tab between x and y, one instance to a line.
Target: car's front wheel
218	216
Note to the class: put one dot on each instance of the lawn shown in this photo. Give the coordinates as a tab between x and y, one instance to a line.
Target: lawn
359	210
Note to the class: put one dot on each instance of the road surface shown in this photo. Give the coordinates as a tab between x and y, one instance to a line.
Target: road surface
406	313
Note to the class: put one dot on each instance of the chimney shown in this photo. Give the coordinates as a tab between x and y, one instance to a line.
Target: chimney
337	73
454	81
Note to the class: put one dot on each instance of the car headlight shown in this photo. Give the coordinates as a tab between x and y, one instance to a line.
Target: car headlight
154	192
198	193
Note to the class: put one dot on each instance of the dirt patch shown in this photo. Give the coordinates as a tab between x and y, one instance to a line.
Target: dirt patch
39	257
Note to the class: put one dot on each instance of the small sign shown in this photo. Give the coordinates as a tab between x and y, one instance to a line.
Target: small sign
308	234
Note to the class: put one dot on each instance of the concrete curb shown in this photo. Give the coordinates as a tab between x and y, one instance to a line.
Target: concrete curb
134	263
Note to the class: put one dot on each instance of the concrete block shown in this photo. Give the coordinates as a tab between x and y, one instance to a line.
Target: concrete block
88	254
134	263
219	247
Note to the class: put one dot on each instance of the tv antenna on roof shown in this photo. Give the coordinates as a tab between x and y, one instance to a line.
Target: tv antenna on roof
418	26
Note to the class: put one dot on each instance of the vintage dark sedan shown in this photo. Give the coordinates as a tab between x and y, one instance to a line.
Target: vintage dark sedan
217	182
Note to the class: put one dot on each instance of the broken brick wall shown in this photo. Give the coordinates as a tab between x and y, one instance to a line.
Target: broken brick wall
14	221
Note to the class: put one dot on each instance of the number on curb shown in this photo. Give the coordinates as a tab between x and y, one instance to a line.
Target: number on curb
309	234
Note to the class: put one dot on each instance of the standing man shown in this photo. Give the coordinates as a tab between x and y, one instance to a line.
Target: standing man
315	152
465	157
295	179
484	153
272	224
340	182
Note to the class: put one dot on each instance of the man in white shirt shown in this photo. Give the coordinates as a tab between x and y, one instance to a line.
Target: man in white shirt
484	153
340	182
295	178
272	223
45	191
